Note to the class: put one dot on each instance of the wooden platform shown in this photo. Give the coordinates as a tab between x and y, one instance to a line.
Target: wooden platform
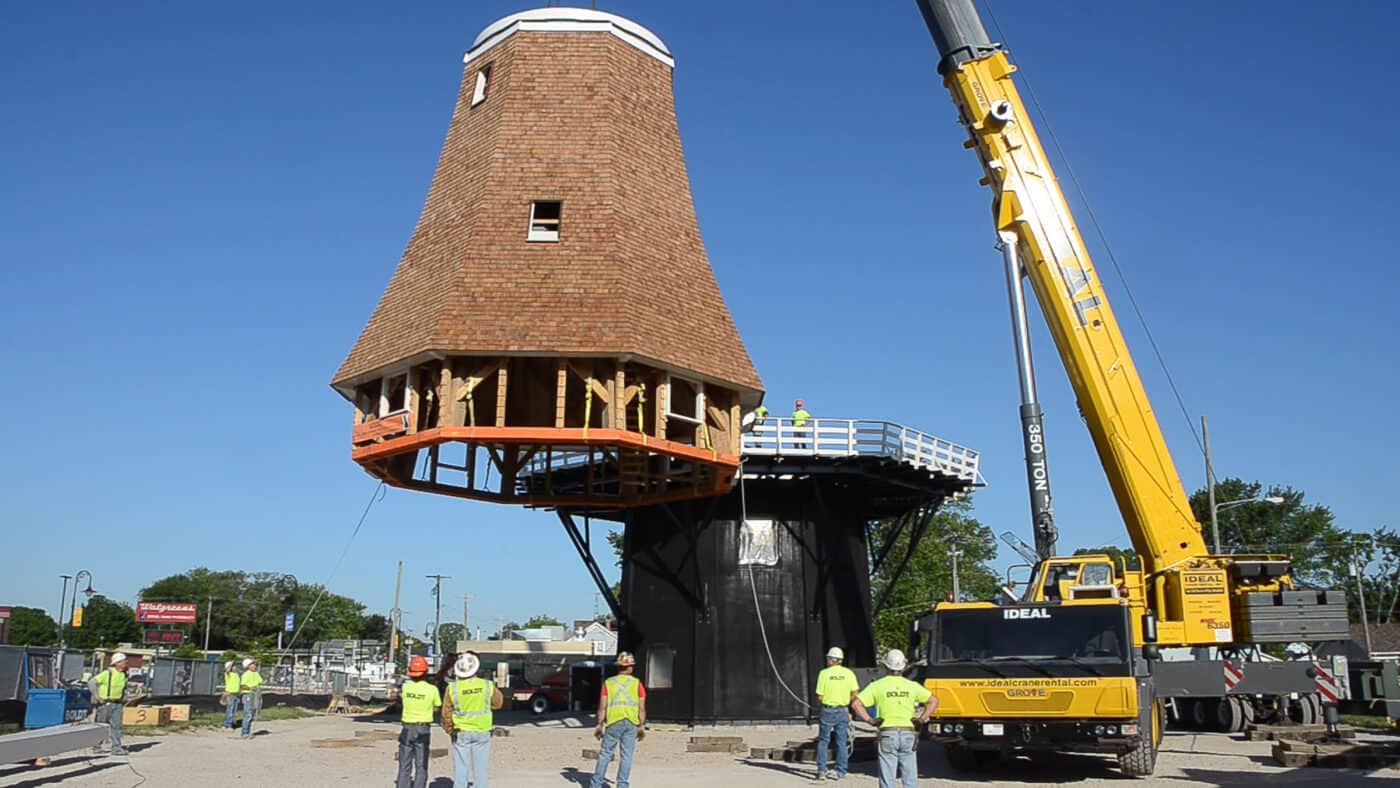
1305	733
1336	754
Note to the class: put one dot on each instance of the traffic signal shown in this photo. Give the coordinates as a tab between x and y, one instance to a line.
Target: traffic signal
77	618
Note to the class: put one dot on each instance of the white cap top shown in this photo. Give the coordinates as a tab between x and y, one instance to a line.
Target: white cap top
570	20
118	656
835	652
247	662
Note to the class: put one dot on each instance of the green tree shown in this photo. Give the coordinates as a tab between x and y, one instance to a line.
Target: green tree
187	651
928	576
374	627
542	620
449	633
1377	560
1120	555
31	626
1320	551
105	623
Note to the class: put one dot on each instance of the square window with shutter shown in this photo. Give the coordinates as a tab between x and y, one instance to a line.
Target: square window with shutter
544	220
483	81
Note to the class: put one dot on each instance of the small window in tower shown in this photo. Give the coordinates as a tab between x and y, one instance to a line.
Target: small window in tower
544	221
483	78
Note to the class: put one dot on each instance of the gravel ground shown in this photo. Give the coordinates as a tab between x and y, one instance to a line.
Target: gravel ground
546	752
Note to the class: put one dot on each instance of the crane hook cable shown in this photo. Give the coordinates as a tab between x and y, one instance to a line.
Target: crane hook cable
375	497
1103	237
757	610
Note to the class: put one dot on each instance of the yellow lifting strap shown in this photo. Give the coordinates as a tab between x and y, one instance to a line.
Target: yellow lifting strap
587	405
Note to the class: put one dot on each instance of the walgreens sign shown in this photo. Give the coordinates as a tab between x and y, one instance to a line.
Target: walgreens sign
166	612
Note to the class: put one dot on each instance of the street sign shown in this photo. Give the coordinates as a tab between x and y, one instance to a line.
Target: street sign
166	612
291	622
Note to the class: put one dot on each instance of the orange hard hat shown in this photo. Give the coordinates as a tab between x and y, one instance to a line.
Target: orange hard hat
417	666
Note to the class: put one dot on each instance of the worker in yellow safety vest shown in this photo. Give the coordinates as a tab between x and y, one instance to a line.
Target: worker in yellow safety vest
421	700
250	695
622	713
466	717
800	417
232	687
836	685
108	690
895	698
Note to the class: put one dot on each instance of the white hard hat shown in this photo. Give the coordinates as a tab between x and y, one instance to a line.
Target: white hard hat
228	664
467	666
894	660
118	656
247	662
836	653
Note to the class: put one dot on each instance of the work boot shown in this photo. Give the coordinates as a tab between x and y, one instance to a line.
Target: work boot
119	751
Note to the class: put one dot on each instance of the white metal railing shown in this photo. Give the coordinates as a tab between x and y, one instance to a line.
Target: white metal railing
775	437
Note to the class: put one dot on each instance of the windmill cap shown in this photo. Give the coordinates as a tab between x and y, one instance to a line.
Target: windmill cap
567	19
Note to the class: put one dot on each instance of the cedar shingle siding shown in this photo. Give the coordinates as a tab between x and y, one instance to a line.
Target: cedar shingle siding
585	119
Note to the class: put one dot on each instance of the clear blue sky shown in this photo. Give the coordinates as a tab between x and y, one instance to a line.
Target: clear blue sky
202	203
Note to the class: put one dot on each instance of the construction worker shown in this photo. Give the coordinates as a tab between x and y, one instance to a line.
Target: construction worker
108	690
232	686
421	700
894	698
800	417
836	685
466	717
250	690
622	713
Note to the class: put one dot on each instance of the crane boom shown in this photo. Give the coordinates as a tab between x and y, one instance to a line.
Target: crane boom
1033	219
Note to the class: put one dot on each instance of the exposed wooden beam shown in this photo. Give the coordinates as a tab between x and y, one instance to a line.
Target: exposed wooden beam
561	393
502	380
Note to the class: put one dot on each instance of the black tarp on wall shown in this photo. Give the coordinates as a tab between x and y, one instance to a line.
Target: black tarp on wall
690	602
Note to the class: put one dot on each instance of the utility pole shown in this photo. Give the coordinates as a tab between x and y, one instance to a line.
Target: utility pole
466	627
62	602
437	615
957	592
1361	597
1210	487
394	620
208	617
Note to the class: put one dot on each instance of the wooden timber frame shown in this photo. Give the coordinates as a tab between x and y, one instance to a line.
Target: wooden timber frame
597	432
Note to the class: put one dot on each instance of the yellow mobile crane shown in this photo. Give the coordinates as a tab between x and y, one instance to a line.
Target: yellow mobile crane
1075	663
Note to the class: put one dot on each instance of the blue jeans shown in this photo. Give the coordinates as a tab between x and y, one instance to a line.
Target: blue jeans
248	715
619	734
110	714
833	719
470	752
231	712
413	755
897	750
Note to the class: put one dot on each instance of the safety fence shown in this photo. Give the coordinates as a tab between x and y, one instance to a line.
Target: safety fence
782	437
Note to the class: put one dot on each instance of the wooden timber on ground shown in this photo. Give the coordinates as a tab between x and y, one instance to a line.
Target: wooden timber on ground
1336	754
716	744
806	751
1296	732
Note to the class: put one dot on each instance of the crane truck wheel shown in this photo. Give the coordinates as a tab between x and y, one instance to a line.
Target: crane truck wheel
1142	759
1308	710
1197	715
1233	714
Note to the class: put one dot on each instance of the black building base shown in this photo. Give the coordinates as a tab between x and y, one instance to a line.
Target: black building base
730	622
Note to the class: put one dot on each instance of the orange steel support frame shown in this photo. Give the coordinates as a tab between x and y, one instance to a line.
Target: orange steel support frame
695	472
